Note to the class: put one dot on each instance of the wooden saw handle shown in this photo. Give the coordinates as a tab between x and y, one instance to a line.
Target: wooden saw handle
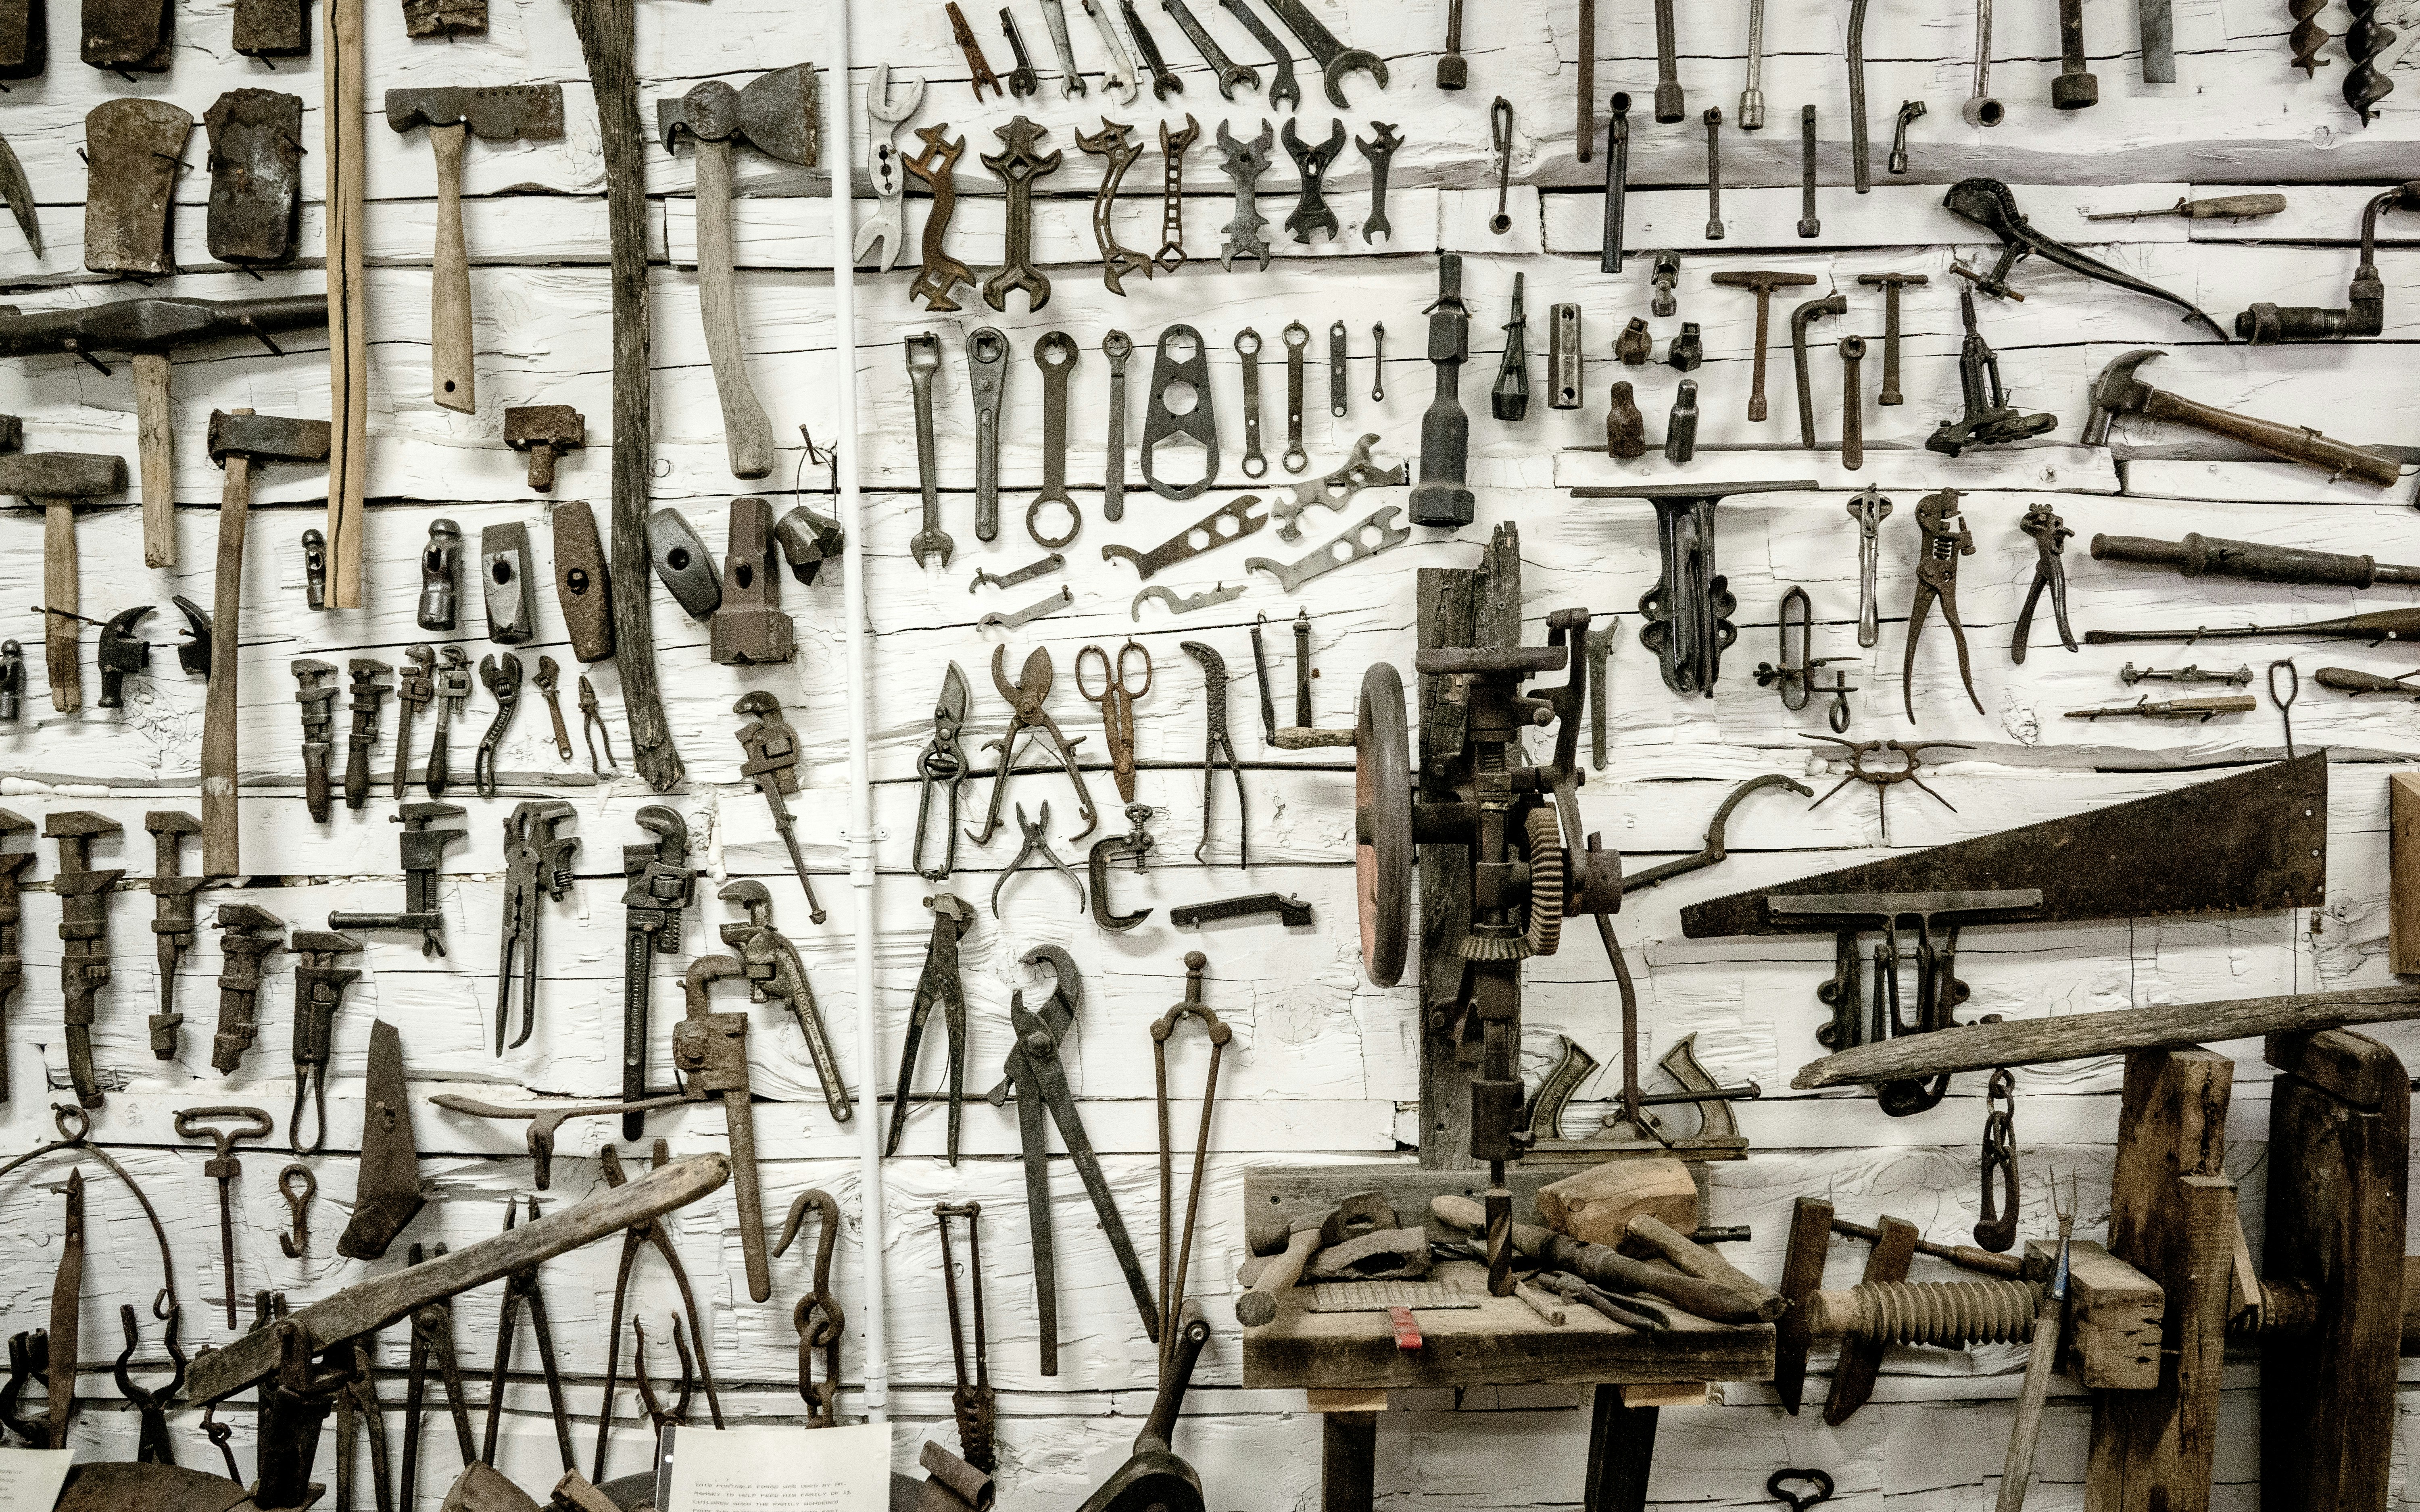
747	435
449	281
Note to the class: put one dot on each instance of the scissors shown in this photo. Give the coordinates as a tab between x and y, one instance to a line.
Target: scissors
1116	699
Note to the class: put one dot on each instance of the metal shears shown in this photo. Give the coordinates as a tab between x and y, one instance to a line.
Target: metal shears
1117	699
1026	698
944	760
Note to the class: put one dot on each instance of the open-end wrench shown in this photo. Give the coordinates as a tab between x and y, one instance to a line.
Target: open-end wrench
1054	15
1055	353
987	374
1334	59
882	169
1013	619
1336	370
1247	346
1117	346
1379	149
923	360
978	70
1284	92
1298	342
1022	80
1164	80
1172	146
1118	80
1230	72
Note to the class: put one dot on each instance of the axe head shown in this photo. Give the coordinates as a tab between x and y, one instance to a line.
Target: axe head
61	474
775	113
502	113
136	148
2116	392
24	38
267	437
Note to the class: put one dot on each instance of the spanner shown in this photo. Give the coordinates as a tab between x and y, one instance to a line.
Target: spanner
1298	342
1055	353
1016	618
923	360
1869	509
1022	80
1044	568
1334	59
1172	146
1230	72
1336	490
549	675
1164	80
1117	346
1071	83
1284	92
1185	602
882	168
1336	370
452	686
1117	79
1247	346
988	373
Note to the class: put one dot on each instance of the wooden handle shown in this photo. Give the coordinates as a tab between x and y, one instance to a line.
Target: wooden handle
2019	1468
62	637
1608	1267
221	846
349	380
1260	1305
1688	1256
156	458
747	435
2295	443
449	281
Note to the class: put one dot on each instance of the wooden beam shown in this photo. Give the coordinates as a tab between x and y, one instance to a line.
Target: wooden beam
2077	1036
2403	872
2171	1216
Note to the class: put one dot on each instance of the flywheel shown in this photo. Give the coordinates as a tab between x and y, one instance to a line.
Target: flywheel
1382	820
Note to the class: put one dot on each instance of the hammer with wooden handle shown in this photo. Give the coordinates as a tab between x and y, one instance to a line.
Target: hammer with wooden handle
59	482
1608	1267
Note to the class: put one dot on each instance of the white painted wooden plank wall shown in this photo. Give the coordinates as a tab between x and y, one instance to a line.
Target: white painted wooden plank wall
1325	1064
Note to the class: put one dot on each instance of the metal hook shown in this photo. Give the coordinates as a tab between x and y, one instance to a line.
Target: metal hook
1819	1479
1996	1230
297	1243
2285	704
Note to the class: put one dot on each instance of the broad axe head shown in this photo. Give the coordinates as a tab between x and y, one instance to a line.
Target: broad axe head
61	474
775	113
267	437
500	113
2117	391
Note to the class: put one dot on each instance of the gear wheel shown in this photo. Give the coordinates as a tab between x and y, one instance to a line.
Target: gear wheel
1546	881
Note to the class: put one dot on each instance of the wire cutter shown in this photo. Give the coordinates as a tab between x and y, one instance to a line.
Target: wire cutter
2051	536
650	1232
944	760
1037	840
1026	697
1946	539
1117	699
503	679
520	1290
1041	1081
939	987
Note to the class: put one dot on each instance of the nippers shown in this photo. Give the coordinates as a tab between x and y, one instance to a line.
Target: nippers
942	760
1946	539
2051	534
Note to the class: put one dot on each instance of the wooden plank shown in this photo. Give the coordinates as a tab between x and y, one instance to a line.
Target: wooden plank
2034	1041
2112	1336
1500	1342
1802	1273
1861	1360
1448	610
2151	1449
2340	1154
2403	872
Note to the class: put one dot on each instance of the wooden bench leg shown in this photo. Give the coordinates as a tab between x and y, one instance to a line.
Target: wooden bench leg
1348	1447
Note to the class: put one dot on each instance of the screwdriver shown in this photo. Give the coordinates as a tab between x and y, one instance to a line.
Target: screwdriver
2224	208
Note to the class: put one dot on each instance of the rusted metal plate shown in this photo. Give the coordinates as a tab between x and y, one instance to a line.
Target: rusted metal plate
24	39
444	18
497	112
255	175
272	28
128	36
2247	843
135	148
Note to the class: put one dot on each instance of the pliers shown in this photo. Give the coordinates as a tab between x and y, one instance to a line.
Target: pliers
152	1443
503	679
1026	697
944	760
650	1232
939	987
592	724
2051	536
432	1336
520	1290
1036	839
1946	539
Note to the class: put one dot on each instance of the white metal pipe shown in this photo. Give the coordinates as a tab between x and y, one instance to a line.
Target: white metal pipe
838	153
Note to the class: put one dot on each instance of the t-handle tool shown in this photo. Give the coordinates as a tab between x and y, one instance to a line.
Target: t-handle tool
938	987
223	1167
773	763
1761	283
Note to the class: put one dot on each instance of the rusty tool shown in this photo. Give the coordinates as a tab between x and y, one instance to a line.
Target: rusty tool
538	860
1852	400
2365	312
2201	709
1285	93
2220	207
1688	614
2050	534
1944	538
522	1293
973	1401
370	688
1027	698
547	679
1022	80
416	687
84	896
1018	167
56	483
1714	123
1442	497
745	629
506	112
1172	1277
13	186
432	1342
1217	746
423	854
775	974
1172	146
1115	144
710	1050
978	68
775	113
944	761
252	934
135	148
1761	283
239	441
659	885
817	1315
2119	391
13	866
1164	80
1334	59
1988	203
937	987
1800	318
1987	418
501	677
940	273
255	155
1116	700
546	432
153	1445
171	917
223	1167
1890	284
773	763
319	986
440	573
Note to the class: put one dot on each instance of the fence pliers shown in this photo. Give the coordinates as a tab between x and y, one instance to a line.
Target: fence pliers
1946	539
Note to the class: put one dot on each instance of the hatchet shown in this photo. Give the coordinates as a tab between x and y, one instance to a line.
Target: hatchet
776	114
507	113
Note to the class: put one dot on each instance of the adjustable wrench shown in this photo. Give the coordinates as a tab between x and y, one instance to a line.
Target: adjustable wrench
923	360
988	373
882	123
1054	15
1118	80
548	677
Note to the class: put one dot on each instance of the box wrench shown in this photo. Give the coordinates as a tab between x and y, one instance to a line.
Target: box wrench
987	375
1055	353
1118	348
1255	464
